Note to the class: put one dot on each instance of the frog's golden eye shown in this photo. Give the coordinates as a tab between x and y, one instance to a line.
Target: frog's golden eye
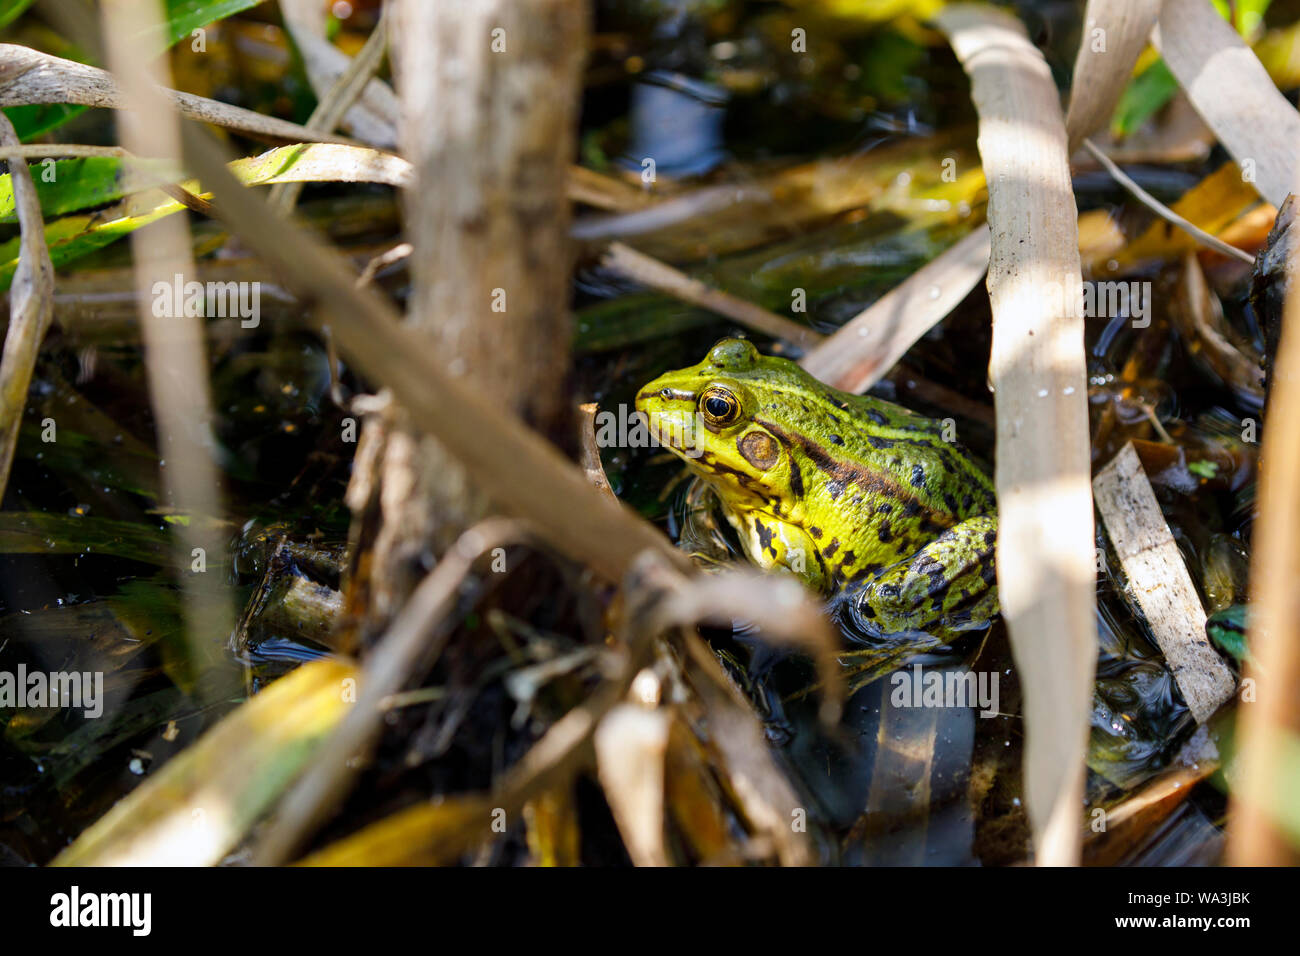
719	406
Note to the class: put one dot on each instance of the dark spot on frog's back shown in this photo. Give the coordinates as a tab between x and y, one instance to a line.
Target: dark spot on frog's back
878	442
764	534
815	531
876	417
836	440
918	476
834	489
830	549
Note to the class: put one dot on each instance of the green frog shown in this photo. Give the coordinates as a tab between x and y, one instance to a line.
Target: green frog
844	491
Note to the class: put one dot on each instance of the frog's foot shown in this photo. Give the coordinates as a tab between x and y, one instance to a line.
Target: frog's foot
947	586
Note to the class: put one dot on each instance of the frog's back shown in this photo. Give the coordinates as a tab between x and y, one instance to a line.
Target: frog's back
851	436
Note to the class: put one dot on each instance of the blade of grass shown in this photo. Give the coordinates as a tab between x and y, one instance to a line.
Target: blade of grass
1045	581
1233	93
1114	34
175	357
28	76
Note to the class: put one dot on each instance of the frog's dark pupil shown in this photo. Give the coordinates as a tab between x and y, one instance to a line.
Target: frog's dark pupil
717	407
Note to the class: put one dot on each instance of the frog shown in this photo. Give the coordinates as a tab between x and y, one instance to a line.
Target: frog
849	493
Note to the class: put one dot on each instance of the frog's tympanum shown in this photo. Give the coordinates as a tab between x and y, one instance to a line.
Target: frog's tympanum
843	490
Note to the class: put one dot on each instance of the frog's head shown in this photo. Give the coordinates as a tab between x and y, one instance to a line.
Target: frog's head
714	415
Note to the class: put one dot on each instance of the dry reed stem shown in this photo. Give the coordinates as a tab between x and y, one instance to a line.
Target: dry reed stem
28	76
1233	93
1045	529
173	345
1160	582
653	274
864	350
1114	35
31	306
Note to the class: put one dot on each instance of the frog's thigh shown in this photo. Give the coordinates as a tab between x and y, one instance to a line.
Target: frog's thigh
776	544
949	582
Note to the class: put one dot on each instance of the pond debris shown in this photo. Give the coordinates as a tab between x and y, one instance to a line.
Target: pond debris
1159	583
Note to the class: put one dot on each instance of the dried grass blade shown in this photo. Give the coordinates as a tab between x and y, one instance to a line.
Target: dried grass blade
1045	581
1233	93
654	274
631	746
28	76
1265	788
497	449
1115	32
175	356
415	637
1160	582
31	306
869	344
199	806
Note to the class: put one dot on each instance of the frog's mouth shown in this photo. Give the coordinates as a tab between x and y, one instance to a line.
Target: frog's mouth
678	431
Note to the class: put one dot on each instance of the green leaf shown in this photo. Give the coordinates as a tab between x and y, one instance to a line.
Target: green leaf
1249	14
67	185
1156	86
72	237
38	532
1227	630
186	16
107	178
1143	98
11	10
39	118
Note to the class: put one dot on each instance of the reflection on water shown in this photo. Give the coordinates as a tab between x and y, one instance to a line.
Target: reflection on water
677	123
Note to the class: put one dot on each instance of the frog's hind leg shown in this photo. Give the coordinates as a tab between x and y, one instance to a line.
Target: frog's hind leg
949	585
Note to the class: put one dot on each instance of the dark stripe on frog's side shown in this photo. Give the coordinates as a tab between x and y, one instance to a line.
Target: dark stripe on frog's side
895	543
877	484
796	477
897	424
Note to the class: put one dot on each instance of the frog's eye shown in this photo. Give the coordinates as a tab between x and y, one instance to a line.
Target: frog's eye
719	406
